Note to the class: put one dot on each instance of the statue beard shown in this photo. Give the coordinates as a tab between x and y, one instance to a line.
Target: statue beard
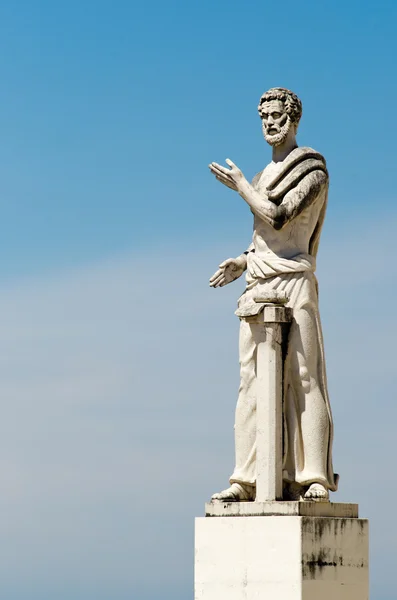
280	137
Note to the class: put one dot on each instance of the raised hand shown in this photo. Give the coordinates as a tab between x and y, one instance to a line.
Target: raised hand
230	177
228	271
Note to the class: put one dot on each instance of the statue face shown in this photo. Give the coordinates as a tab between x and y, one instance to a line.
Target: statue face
276	123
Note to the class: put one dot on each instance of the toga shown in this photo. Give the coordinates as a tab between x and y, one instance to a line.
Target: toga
284	259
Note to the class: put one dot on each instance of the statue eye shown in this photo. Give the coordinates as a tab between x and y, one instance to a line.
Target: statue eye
276	115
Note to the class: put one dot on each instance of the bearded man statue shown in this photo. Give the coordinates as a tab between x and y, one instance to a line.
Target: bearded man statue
288	200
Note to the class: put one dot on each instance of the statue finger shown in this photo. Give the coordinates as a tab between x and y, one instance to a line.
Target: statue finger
216	281
231	164
217	274
214	169
217	172
214	284
221	282
220	168
226	263
222	276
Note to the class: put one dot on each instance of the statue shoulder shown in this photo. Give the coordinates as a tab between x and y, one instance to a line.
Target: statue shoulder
301	163
305	152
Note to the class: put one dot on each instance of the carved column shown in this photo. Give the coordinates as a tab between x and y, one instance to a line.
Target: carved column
269	398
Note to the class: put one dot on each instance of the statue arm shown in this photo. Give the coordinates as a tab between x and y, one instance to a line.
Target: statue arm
300	197
242	259
293	203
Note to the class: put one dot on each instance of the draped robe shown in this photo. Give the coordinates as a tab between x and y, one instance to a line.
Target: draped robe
284	259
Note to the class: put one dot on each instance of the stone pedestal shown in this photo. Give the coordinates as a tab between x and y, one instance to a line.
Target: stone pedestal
284	556
272	549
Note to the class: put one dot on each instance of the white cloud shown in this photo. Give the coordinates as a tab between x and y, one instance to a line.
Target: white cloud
118	384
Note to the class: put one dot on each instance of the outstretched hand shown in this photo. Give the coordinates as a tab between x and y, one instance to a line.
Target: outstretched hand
232	177
228	271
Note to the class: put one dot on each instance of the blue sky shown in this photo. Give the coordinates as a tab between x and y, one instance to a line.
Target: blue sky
110	112
109	115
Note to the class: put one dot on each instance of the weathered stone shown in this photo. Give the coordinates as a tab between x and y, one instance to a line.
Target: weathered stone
283	558
261	509
257	540
288	200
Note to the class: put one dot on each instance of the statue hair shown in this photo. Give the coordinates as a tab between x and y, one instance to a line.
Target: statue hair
293	105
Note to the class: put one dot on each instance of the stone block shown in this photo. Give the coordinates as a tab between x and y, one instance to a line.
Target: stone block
281	558
301	509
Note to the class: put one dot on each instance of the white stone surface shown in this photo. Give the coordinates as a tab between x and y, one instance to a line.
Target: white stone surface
269	410
303	509
288	200
266	327
281	558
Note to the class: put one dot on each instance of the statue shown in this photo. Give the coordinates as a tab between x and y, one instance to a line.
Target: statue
288	200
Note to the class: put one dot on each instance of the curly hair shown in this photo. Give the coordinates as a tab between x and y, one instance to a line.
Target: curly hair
293	105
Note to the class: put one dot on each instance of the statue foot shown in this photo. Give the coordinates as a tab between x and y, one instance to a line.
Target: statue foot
317	492
237	492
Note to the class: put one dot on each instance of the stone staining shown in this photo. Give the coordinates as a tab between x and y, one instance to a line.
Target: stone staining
288	200
281	557
273	533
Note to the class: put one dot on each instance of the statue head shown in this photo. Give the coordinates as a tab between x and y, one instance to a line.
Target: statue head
280	111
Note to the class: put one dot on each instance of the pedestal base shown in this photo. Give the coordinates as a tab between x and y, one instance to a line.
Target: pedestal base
299	509
281	558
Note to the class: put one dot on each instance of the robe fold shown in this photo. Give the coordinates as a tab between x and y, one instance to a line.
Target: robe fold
286	261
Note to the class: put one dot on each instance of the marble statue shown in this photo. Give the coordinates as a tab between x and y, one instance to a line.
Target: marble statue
288	200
